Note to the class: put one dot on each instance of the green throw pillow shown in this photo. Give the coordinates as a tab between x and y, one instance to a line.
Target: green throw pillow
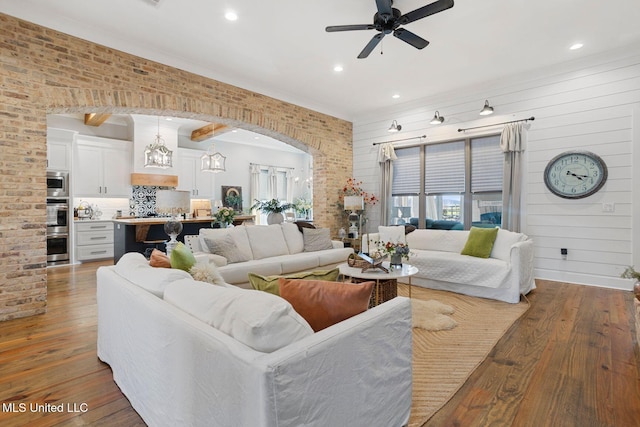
480	242
182	258
270	283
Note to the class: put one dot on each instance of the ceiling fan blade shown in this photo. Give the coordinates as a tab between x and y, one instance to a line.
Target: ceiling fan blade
384	8
409	37
371	45
334	28
425	11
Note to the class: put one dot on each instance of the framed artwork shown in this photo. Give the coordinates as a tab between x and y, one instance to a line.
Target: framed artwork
203	213
232	197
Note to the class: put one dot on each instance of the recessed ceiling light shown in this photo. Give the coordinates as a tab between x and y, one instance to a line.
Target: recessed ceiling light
168	119
256	137
395	96
576	46
338	68
231	15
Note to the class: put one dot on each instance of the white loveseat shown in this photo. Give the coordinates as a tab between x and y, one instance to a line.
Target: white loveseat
504	276
177	370
269	249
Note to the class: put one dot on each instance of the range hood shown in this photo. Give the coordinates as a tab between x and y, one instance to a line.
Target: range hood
156	180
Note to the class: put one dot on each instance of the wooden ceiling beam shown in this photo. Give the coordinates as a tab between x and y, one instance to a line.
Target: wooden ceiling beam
207	131
95	119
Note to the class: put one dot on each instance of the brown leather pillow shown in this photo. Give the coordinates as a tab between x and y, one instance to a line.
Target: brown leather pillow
304	224
408	228
322	303
159	259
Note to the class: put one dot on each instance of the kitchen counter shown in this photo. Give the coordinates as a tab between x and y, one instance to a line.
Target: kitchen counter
139	234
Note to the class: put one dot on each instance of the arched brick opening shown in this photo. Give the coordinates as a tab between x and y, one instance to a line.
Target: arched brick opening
44	71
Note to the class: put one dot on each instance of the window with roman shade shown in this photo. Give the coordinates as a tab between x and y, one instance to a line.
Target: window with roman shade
445	168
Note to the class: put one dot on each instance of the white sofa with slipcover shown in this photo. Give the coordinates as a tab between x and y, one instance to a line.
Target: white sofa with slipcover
266	250
504	276
189	353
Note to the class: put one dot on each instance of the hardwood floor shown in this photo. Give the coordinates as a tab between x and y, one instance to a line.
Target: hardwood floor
571	360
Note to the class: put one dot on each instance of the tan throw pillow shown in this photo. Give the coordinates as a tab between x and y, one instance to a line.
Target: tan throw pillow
323	303
316	239
226	247
159	259
270	283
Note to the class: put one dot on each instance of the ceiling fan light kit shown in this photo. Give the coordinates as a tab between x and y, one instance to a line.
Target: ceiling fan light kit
395	127
387	20
487	109
437	119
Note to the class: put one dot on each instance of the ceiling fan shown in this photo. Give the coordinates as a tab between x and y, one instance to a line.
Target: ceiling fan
388	19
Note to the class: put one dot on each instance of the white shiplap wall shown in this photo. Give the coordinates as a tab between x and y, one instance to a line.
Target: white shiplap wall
592	104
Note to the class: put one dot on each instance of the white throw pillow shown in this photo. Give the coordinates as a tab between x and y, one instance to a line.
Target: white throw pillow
260	320
393	234
502	245
134	267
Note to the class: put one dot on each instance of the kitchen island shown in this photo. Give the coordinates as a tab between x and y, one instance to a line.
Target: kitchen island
139	234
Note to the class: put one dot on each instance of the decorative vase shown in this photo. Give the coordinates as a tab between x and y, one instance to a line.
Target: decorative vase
396	260
275	218
636	289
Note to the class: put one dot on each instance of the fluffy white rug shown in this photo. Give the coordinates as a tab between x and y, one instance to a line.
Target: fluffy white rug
431	315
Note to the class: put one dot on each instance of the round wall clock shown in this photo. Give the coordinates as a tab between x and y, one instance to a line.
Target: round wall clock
575	174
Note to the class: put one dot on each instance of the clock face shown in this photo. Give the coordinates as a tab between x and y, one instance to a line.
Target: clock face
575	174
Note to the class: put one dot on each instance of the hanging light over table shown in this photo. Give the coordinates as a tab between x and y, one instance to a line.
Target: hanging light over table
157	155
212	161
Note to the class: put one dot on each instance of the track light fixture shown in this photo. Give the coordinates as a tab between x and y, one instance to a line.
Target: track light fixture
437	119
487	109
395	127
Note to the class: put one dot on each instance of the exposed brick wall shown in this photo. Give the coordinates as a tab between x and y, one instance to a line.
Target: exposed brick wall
43	71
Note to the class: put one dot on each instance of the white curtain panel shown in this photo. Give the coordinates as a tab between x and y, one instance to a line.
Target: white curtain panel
289	176
254	189
513	143
273	183
386	156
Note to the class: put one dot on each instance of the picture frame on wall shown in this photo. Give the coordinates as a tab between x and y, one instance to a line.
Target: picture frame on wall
232	197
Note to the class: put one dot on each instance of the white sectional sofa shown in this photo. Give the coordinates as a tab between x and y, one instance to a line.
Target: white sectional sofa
269	250
178	370
504	276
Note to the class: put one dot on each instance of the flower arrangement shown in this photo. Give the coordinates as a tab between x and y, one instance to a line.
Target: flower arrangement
354	188
391	248
302	206
225	215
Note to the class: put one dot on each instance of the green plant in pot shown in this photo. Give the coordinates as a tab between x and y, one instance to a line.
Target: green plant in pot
273	208
631	273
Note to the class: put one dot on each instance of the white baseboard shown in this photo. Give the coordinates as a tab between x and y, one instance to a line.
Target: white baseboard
585	279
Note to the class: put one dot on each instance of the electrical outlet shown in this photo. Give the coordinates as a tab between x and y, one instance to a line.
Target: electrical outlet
608	207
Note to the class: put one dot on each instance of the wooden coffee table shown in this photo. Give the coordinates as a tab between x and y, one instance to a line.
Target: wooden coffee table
386	286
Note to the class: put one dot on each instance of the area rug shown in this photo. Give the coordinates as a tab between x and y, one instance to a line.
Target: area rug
431	315
444	359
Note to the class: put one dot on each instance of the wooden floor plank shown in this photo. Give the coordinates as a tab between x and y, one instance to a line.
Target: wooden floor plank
571	360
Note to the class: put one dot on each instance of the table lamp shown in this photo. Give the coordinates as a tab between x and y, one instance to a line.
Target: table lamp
172	203
353	204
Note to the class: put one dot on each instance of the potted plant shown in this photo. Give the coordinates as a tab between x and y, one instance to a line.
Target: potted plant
224	216
302	206
273	208
631	273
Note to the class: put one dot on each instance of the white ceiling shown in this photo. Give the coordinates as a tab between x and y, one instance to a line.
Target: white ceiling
280	48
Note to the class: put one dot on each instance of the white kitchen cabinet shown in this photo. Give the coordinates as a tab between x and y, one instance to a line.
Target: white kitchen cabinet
94	240
101	167
190	177
59	149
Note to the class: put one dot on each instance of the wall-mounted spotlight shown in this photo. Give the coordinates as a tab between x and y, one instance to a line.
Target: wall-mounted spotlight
395	127
487	109
437	119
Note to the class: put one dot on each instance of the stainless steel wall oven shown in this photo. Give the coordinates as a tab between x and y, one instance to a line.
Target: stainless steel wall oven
57	230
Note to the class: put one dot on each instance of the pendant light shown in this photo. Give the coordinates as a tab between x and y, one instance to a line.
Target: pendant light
157	155
395	127
437	119
213	162
487	109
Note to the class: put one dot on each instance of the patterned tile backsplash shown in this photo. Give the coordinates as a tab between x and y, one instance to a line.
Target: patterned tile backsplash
143	200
